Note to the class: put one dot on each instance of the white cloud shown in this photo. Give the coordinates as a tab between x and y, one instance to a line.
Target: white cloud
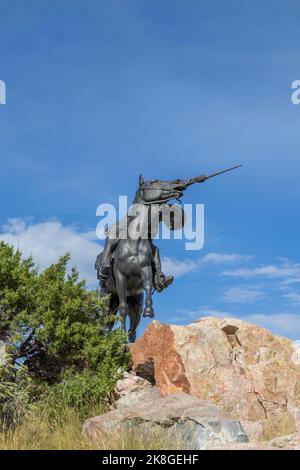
184	316
283	324
293	297
219	258
181	267
243	294
178	268
284	270
213	312
283	275
49	240
295	280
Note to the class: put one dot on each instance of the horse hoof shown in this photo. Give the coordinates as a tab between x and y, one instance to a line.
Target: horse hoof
148	312
131	338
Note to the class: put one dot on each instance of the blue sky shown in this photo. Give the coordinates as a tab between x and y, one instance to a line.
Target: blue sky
99	91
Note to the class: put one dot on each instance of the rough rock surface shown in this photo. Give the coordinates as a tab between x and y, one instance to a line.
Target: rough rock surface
132	390
289	442
176	421
250	373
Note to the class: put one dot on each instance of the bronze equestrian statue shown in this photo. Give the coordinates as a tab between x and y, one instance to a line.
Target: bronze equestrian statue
130	263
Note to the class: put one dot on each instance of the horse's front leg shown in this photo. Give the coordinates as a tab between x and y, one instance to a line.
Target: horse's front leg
121	290
148	286
135	307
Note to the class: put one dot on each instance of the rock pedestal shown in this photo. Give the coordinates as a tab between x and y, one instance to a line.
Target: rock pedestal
173	422
246	370
214	383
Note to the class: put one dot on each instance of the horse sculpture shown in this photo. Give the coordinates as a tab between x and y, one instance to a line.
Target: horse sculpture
130	265
133	267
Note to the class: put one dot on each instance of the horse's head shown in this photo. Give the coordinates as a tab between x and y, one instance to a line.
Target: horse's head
158	191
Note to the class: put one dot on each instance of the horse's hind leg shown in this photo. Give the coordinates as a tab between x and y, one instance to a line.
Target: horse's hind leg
110	310
135	306
113	308
121	290
148	286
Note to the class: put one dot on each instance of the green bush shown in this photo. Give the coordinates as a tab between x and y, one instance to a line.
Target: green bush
15	394
82	392
54	330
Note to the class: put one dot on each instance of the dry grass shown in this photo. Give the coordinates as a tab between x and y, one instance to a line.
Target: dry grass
143	439
36	433
65	433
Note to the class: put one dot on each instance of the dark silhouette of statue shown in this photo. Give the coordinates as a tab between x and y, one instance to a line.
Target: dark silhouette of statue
130	263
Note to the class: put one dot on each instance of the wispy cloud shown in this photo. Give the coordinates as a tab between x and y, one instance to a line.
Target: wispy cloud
47	241
177	267
184	316
243	294
282	276
284	323
284	270
218	258
293	297
181	267
291	281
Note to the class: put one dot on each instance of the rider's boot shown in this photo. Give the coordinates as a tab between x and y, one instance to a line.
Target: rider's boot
105	270
161	281
103	263
104	267
168	280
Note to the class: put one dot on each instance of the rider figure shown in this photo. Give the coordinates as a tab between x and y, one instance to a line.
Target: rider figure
157	193
103	265
149	192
